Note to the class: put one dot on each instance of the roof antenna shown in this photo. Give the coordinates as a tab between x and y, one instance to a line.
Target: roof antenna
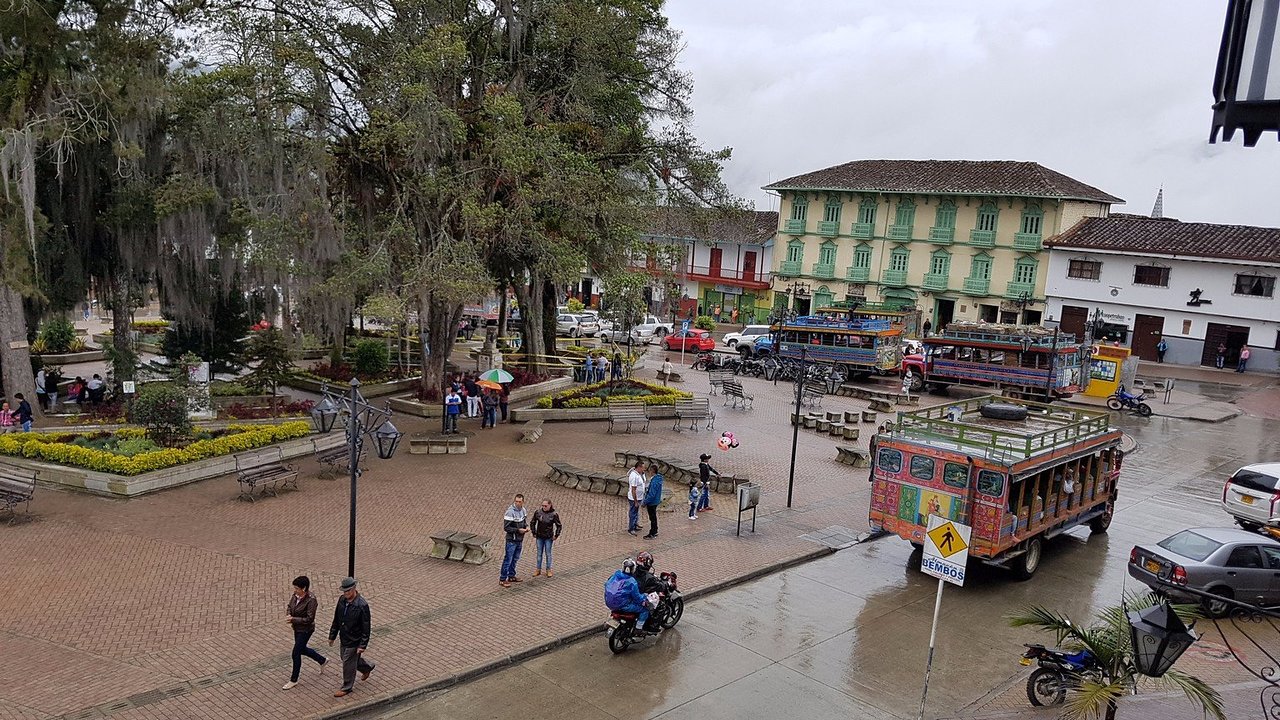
1158	210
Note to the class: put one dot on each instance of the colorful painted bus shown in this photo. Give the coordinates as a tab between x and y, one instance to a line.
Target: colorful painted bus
857	347
1023	361
1017	482
905	318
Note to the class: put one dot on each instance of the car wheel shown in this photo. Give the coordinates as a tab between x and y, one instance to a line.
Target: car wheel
732	343
1217	608
1249	525
915	381
660	332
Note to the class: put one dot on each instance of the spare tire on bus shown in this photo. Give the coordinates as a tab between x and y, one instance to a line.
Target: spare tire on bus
1003	411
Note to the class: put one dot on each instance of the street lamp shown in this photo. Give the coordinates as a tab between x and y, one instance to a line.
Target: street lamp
362	420
795	425
1246	86
1159	638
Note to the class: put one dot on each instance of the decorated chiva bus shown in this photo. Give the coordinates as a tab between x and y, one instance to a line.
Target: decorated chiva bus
1018	472
1018	360
854	348
905	318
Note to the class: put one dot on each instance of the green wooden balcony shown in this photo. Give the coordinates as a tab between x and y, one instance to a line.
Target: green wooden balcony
894	278
942	235
789	267
977	286
829	228
982	238
1016	290
795	227
823	270
900	232
1029	242
858	274
935	281
864	231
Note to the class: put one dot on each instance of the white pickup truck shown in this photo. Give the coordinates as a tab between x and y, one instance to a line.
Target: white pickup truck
650	328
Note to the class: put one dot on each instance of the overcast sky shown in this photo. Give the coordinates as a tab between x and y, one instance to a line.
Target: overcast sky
1115	94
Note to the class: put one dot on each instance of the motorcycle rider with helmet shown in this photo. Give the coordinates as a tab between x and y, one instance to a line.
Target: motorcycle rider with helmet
648	581
628	597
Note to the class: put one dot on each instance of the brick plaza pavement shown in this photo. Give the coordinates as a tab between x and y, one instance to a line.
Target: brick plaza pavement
171	605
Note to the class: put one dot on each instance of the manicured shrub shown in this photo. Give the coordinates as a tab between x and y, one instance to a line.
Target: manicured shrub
704	322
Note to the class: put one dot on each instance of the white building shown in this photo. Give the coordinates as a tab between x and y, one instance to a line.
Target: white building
1196	285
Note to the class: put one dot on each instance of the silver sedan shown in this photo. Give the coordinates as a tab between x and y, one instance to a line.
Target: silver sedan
1226	562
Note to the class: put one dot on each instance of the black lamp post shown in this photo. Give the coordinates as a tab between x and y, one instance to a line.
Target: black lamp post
795	426
1246	86
362	419
1159	639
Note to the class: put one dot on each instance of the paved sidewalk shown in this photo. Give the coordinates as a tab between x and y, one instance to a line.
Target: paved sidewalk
1182	405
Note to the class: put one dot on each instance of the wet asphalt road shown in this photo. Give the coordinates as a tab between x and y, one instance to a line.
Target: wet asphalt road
846	636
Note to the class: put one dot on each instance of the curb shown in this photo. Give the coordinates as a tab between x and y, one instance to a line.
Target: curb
477	671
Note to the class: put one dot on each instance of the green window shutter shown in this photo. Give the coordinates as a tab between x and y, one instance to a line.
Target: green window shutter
946	216
862	256
988	214
980	267
867	213
827	254
1025	271
1032	221
831	213
799	208
795	251
940	264
900	259
906	214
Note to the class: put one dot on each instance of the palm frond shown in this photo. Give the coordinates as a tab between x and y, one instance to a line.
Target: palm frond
1047	620
1197	691
1090	700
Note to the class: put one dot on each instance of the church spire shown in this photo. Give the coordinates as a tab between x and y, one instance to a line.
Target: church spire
1158	210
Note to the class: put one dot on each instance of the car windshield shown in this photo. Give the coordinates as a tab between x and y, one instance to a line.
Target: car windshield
1190	544
1253	480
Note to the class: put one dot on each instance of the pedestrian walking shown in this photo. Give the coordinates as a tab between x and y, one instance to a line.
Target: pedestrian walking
300	613
1222	355
615	367
352	623
1161	348
652	499
8	419
928	327
452	409
490	402
504	397
1244	359
23	415
704	474
667	369
695	496
473	396
515	522
635	495
43	399
546	528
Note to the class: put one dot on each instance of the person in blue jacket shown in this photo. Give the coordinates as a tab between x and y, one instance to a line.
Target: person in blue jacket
622	594
652	499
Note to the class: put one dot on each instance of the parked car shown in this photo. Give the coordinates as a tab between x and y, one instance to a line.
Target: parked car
587	326
1227	562
748	333
650	327
567	324
1252	495
692	340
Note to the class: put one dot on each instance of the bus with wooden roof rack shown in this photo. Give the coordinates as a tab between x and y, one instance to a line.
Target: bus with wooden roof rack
1019	360
852	347
903	316
1018	472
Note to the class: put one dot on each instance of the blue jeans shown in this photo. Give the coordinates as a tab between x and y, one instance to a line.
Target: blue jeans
544	548
704	502
1241	365
510	558
451	423
643	611
633	516
26	426
300	640
490	417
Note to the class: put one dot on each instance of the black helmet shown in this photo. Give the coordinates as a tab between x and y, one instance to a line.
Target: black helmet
645	559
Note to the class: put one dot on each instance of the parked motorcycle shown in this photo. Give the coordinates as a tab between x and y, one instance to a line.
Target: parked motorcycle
1123	399
1057	672
621	628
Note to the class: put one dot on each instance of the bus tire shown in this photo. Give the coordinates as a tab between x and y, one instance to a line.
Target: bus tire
1099	525
915	381
1026	564
1003	411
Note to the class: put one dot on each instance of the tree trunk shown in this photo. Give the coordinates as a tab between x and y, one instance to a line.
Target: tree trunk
15	356
1111	710
437	328
502	311
124	357
533	344
549	316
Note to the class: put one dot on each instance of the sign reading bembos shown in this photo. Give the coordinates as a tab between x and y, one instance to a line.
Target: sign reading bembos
946	549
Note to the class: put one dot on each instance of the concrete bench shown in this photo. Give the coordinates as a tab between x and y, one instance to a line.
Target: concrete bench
531	431
575	478
848	433
427	444
693	410
460	546
835	428
630	412
882	405
852	456
822	425
17	487
811	421
869	416
676	471
263	470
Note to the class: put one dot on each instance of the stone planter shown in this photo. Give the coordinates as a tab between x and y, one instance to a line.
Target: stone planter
71	358
371	390
656	412
410	405
253	401
100	483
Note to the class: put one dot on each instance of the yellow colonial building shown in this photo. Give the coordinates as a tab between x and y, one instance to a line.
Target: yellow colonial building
959	239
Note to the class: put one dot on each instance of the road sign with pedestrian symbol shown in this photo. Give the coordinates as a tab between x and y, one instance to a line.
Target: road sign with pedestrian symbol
946	549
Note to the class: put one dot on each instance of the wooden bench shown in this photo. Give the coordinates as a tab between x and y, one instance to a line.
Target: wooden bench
852	456
694	409
531	431
733	392
717	378
17	486
813	392
264	470
339	458
460	546
629	412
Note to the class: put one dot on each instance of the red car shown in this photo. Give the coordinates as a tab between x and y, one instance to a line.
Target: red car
691	340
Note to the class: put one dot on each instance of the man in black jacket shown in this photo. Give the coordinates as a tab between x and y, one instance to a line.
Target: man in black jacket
352	622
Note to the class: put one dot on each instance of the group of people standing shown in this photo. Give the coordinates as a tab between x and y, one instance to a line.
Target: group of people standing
545	526
646	490
478	400
598	366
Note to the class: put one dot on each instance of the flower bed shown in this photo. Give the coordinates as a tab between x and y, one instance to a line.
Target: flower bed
126	451
598	394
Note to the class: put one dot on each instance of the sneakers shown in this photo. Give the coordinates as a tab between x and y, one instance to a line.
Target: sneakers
289	685
634	532
321	671
693	517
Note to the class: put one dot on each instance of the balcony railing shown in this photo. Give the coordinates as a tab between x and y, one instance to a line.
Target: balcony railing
729	274
858	274
1029	242
864	231
935	281
896	278
982	238
977	286
1018	290
900	232
823	270
795	227
942	235
828	228
789	267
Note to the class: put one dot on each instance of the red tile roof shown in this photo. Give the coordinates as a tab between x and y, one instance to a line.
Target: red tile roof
742	226
1167	236
947	177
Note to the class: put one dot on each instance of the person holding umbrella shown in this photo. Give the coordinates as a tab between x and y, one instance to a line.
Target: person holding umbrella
489	403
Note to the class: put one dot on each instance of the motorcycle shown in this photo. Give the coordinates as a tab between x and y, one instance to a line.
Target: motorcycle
704	361
1123	399
621	628
1057	673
